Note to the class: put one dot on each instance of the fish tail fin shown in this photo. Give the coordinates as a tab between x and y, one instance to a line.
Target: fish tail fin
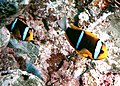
63	23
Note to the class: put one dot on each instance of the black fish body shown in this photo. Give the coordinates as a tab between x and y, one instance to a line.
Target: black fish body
20	29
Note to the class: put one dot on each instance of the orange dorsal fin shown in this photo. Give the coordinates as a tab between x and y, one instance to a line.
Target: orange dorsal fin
75	27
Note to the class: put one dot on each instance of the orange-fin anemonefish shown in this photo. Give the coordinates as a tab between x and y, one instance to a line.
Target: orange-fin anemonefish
84	42
20	30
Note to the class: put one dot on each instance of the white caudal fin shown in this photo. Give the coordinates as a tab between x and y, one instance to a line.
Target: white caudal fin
63	23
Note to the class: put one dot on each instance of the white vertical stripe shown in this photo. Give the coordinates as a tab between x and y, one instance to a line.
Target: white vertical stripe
25	33
13	25
79	39
97	49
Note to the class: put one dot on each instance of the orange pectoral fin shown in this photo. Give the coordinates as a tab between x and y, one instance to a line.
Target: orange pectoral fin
74	27
103	54
85	53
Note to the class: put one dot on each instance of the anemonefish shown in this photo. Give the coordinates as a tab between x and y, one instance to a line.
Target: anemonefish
84	42
20	30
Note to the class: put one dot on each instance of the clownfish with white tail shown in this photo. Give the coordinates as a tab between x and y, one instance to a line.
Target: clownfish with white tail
20	30
84	42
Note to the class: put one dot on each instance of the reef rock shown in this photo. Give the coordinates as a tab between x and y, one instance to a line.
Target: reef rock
4	37
20	78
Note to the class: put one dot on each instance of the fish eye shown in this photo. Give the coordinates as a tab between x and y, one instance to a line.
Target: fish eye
102	51
28	34
30	29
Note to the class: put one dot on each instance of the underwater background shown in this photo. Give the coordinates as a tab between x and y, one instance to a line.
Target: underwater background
49	59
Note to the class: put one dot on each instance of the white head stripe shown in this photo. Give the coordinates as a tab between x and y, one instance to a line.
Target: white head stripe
13	25
25	33
97	49
79	39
